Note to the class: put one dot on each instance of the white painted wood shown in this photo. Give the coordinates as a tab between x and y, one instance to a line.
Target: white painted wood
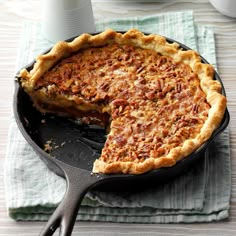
12	14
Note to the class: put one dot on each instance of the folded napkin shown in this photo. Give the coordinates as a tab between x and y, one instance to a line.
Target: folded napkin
200	195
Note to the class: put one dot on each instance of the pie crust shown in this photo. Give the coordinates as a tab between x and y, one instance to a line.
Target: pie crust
159	102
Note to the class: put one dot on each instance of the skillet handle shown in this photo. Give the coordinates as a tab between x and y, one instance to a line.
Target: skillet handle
79	181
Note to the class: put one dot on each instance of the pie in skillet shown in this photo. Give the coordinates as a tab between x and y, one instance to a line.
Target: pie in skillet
158	102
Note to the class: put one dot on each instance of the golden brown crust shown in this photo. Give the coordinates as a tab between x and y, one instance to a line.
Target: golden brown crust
204	72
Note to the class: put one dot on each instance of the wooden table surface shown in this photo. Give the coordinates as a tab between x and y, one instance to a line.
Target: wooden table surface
12	15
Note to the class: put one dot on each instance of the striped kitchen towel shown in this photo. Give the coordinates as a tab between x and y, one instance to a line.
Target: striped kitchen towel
200	195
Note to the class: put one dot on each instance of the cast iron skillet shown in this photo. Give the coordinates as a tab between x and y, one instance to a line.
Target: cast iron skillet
75	148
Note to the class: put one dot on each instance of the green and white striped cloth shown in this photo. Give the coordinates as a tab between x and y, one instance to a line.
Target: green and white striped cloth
200	195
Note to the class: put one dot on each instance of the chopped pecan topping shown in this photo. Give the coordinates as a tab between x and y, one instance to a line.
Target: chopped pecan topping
152	100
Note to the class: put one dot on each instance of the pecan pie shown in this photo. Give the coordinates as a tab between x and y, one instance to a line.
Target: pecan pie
158	102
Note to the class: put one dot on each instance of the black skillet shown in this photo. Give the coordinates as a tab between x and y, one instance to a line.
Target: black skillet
74	149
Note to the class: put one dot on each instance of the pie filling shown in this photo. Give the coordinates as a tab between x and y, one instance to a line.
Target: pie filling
152	103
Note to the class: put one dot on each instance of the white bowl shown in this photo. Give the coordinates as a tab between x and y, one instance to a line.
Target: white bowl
226	7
